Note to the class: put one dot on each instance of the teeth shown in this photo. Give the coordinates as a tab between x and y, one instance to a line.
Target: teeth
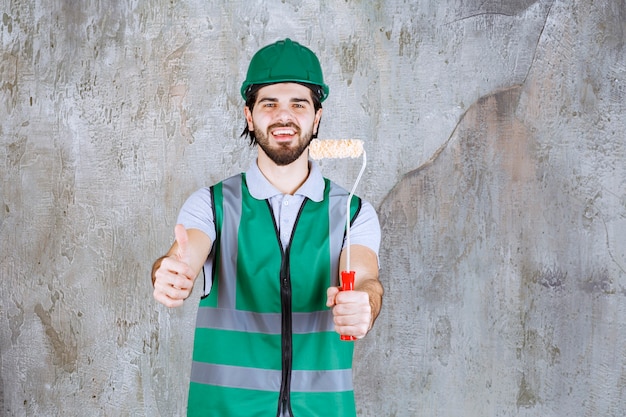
283	132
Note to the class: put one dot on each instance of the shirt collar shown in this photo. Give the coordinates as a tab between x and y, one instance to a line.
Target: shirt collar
261	189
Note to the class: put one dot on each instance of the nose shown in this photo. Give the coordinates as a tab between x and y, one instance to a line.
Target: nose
284	115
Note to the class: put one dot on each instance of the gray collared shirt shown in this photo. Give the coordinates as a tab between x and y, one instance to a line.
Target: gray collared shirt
285	206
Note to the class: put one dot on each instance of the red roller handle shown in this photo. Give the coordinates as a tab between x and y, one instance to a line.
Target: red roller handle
347	284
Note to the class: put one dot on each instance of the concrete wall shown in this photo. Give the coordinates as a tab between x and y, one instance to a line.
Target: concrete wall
497	162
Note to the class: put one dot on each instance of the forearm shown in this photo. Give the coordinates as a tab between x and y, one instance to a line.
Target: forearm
364	262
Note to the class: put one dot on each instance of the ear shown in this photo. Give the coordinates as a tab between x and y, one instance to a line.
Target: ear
316	123
248	113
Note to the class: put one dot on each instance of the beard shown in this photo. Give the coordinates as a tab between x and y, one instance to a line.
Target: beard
284	153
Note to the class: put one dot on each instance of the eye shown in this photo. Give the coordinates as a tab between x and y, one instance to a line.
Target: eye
269	105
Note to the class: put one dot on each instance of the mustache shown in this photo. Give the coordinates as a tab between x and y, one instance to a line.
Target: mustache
288	124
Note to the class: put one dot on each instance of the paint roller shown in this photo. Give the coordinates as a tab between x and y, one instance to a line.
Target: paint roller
340	149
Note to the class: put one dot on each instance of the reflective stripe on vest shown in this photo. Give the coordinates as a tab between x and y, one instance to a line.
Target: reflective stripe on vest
269	380
268	323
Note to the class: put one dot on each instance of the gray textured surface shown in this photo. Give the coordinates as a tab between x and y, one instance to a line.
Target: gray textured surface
496	158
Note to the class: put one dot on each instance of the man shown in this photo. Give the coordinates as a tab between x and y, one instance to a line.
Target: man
270	243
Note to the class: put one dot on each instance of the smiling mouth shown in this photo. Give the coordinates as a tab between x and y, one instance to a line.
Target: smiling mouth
283	133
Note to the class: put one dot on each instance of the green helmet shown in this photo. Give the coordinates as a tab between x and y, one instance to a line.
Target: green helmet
285	61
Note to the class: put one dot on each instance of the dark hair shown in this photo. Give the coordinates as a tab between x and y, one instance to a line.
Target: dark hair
251	95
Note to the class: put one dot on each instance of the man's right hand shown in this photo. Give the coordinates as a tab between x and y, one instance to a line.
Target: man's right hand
174	277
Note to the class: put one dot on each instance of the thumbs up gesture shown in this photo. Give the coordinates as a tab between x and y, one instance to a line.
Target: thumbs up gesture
172	275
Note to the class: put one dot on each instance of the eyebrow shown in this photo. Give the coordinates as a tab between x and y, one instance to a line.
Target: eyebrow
291	100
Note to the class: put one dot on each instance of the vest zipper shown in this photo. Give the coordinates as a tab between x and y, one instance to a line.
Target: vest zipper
284	408
284	399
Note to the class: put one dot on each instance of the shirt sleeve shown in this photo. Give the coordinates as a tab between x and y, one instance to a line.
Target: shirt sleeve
197	213
366	228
